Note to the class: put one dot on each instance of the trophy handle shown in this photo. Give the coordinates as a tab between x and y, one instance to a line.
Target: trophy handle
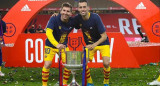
84	68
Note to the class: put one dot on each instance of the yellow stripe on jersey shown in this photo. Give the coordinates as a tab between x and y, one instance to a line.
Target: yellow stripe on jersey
88	35
63	37
51	37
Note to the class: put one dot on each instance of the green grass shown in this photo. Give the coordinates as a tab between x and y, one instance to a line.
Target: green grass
119	76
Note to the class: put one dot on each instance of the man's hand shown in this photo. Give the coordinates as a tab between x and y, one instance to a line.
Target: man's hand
60	46
91	46
55	14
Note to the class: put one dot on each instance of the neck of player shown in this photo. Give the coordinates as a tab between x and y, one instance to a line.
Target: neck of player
64	20
86	17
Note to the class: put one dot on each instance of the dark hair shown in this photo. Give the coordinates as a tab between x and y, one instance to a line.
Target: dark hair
80	1
66	4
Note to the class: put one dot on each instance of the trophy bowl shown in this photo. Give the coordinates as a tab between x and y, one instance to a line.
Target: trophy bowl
73	63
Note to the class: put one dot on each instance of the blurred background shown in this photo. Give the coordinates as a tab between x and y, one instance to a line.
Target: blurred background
100	6
109	11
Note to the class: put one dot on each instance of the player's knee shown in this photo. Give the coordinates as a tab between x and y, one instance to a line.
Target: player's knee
47	65
106	65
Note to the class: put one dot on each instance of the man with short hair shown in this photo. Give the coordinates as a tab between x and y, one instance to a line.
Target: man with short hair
95	38
57	31
40	29
2	31
32	29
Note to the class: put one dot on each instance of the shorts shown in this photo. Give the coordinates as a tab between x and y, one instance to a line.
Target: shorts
51	52
104	50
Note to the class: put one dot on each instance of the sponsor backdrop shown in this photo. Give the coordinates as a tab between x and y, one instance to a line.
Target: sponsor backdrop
28	49
29	8
147	14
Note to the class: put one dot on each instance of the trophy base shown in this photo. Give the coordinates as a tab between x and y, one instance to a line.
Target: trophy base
73	84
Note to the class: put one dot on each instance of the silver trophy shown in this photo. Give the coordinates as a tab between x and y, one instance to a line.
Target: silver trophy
73	63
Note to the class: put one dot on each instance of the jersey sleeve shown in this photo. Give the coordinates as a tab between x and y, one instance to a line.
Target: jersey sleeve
49	31
100	24
49	34
51	23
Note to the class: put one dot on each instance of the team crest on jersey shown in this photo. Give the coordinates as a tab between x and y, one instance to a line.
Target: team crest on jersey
60	27
80	25
70	28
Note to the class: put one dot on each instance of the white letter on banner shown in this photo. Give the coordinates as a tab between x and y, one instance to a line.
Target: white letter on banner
111	48
26	48
135	25
126	27
93	61
41	50
56	58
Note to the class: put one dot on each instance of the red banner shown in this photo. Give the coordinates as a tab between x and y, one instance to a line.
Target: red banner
29	48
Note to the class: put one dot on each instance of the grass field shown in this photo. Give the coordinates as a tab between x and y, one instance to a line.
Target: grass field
119	76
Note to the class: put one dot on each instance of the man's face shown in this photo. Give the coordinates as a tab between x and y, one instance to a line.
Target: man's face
83	8
65	13
32	26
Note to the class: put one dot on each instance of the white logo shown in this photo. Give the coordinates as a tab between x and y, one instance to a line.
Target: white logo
37	0
26	8
91	28
140	6
70	28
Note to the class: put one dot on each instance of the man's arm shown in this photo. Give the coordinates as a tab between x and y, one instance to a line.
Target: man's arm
53	41
102	39
101	30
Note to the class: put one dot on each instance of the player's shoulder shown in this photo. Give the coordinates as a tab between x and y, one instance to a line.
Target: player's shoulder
52	18
94	15
77	16
55	18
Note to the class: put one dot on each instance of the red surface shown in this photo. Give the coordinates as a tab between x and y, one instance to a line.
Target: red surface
122	56
146	55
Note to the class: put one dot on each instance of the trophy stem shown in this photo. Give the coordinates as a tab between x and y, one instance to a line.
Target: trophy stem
73	79
73	83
